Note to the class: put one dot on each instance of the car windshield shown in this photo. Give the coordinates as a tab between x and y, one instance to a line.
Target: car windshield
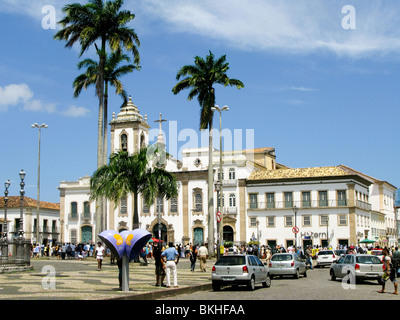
282	257
368	260
321	253
231	261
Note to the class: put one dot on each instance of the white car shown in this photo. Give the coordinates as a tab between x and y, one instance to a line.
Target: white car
239	269
325	258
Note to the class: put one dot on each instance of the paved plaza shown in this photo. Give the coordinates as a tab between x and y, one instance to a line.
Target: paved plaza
54	279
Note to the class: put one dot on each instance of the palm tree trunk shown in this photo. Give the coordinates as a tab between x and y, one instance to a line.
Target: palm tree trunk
105	147
210	192
100	133
135	222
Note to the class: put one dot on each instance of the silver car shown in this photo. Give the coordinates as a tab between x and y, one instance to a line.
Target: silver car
239	269
283	264
325	258
360	266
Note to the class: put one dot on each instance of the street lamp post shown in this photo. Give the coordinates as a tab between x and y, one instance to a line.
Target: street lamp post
327	231
22	193
35	125
217	108
218	185
295	209
5	235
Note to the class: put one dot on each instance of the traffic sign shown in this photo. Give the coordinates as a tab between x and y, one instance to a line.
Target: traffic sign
295	229
218	216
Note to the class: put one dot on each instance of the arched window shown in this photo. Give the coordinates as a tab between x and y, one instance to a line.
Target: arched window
86	209
232	174
74	209
142	141
198	202
124	206
232	200
124	142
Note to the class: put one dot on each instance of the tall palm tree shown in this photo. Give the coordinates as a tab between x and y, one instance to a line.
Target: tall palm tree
104	22
132	174
112	73
201	78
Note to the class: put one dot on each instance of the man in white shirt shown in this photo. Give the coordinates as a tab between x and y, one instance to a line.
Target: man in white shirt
203	255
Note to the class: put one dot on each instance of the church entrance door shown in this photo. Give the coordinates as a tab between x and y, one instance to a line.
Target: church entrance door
86	232
198	236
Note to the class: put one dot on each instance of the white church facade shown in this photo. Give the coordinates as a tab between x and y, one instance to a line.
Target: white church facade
259	196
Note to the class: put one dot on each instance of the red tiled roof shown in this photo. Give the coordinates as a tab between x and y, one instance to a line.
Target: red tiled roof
15	202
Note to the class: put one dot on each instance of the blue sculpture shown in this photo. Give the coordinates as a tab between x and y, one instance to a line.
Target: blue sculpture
126	246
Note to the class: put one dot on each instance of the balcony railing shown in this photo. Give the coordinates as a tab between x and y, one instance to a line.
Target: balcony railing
306	204
230	210
75	216
229	183
52	230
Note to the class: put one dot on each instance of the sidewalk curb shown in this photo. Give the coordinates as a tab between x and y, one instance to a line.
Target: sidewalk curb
154	295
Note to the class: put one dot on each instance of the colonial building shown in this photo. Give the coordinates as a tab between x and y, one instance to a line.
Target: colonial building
262	199
49	218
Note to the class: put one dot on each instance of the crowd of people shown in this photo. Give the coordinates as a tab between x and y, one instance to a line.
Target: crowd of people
166	257
63	251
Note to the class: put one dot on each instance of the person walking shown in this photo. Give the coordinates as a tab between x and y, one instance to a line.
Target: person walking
390	272
308	255
268	254
170	265
203	255
99	255
159	264
193	258
396	260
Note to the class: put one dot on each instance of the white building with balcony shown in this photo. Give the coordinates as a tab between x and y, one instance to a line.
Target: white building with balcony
308	206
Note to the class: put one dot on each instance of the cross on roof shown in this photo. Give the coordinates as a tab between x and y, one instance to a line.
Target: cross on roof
161	120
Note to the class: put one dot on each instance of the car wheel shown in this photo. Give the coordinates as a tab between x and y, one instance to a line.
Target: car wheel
252	284
267	282
333	277
216	286
296	275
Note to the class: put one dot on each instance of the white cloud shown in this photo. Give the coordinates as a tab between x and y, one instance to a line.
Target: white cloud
303	89
300	26
21	95
13	95
75	111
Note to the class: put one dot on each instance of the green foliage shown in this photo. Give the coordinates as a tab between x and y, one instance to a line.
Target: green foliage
228	244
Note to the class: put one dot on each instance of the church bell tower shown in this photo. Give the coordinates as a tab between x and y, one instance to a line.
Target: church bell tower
129	130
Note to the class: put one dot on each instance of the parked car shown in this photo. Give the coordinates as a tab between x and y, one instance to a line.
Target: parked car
240	269
325	258
284	264
362	266
339	253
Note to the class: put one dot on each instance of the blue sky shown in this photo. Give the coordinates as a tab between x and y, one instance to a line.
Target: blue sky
317	88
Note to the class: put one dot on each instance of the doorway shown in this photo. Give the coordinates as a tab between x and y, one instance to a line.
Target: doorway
198	236
163	229
86	234
227	233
